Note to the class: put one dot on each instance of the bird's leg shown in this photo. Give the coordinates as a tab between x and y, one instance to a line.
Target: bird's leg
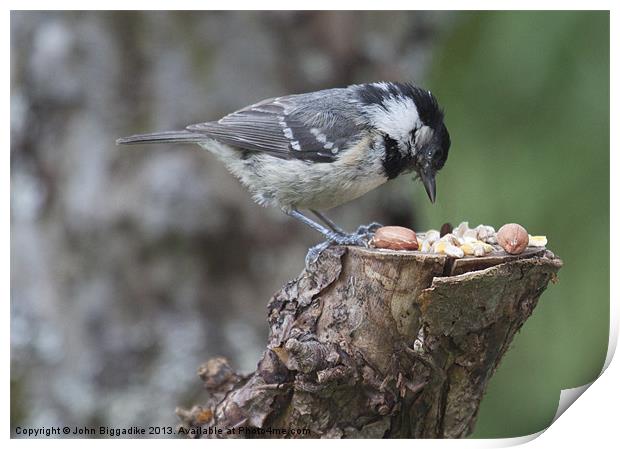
333	226
364	230
331	235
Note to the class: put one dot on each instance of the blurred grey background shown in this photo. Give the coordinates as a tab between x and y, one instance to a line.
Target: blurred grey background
131	266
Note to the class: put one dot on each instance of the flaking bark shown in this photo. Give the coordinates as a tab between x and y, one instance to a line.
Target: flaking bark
371	344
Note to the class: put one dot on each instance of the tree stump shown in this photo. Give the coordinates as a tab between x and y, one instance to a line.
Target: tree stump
377	344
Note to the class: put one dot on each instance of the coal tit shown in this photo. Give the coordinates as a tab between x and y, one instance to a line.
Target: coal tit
321	149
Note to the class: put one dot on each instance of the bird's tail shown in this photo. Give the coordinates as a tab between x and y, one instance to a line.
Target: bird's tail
162	137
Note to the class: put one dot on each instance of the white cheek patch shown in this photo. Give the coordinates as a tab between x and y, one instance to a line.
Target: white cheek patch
399	117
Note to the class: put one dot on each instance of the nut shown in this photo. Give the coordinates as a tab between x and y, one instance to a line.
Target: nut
445	247
453	251
431	236
395	237
470	235
460	229
539	241
479	251
446	228
451	239
426	247
467	248
439	246
513	238
485	233
476	248
482	249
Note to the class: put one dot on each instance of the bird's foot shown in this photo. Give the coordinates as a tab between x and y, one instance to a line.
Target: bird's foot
315	252
369	229
361	237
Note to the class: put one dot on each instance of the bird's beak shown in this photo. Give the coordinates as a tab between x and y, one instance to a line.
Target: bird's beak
428	179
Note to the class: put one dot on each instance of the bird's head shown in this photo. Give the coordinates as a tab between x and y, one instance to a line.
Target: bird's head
411	124
431	152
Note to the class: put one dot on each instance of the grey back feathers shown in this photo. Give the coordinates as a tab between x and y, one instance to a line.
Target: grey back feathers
313	127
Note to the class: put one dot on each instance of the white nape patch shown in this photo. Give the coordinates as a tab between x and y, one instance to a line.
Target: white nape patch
328	145
295	145
288	133
382	85
398	119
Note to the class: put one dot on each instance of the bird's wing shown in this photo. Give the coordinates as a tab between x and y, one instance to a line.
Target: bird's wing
314	127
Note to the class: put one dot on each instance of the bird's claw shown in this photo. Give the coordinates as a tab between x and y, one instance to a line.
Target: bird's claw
361	237
315	252
369	229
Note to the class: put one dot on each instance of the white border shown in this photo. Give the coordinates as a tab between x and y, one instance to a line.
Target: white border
591	420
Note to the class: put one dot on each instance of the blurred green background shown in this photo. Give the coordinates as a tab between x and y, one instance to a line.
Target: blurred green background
130	268
527	105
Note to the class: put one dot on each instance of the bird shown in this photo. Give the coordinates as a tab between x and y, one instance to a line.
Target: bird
317	150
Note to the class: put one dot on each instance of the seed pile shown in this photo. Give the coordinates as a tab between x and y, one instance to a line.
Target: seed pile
461	241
